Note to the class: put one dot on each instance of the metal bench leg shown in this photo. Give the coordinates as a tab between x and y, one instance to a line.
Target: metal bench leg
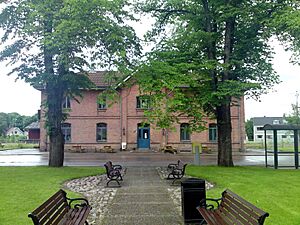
113	180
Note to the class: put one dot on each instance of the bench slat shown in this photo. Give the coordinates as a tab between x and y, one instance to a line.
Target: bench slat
233	210
53	211
258	211
239	210
56	211
41	209
208	216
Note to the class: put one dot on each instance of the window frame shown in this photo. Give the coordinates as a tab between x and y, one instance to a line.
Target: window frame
66	129
143	102
66	104
101	128
102	106
213	132
185	134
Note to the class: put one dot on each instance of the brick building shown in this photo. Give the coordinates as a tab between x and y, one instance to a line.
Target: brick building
95	125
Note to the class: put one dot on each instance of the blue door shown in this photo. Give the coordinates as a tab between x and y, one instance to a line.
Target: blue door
143	139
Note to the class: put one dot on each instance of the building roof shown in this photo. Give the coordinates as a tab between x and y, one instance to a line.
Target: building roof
33	125
281	127
261	121
101	79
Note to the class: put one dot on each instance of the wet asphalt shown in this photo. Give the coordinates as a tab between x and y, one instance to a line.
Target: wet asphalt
33	157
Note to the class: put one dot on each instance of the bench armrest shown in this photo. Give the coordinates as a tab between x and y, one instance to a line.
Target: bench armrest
83	202
117	167
203	203
172	165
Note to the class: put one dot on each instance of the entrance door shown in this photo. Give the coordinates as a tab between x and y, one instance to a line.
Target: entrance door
143	139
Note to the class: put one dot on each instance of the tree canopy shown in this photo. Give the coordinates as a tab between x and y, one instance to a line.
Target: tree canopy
52	43
208	54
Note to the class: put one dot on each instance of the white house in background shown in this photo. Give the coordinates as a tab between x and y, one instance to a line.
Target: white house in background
14	131
259	134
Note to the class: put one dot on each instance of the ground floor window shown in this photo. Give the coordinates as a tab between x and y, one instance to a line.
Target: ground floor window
185	132
101	132
66	130
213	132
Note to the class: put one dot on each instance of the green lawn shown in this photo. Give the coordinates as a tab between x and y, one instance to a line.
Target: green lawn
275	191
22	189
12	146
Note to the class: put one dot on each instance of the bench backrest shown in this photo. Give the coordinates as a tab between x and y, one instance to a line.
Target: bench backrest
240	211
181	166
109	167
52	210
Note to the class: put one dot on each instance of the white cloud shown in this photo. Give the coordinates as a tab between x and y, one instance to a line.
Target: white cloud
279	102
17	96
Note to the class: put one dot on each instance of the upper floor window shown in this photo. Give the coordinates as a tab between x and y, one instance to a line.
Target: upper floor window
275	121
101	132
260	128
66	130
185	132
66	104
143	102
102	103
212	132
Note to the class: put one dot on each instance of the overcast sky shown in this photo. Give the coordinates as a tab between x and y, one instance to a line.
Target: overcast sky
17	96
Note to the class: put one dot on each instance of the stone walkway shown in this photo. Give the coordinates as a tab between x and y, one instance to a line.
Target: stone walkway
144	198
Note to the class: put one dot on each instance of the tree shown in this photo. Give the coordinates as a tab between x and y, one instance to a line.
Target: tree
54	42
249	129
208	54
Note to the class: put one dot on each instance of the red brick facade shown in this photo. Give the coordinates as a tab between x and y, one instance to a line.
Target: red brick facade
122	119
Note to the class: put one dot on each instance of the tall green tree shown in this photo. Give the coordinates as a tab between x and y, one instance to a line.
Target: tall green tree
51	44
207	55
249	129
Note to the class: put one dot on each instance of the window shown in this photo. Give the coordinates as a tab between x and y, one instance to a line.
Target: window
66	104
185	132
101	132
269	137
283	136
259	136
212	129
101	103
143	102
66	130
275	121
260	128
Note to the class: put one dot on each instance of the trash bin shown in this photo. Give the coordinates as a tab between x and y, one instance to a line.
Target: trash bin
192	192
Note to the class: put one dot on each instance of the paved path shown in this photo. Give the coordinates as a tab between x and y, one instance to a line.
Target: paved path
142	199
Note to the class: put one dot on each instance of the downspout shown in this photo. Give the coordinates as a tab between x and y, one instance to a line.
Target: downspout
121	119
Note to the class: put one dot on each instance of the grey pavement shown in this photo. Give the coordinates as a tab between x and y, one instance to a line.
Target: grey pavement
142	199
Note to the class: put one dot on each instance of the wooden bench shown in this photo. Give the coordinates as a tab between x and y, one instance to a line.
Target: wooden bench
170	149
231	209
59	209
114	172
107	149
176	171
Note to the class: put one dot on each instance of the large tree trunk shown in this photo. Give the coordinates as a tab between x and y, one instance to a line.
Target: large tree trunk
54	114
223	111
224	135
54	118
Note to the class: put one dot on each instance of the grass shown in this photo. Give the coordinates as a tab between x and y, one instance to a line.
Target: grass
274	191
282	146
24	188
11	146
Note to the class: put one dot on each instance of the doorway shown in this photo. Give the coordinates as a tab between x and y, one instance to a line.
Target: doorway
143	136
